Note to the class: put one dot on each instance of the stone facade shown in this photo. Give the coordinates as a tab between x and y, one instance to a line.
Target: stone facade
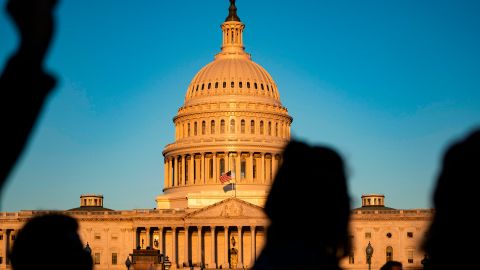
232	120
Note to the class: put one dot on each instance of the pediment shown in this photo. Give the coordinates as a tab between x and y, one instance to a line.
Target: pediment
229	208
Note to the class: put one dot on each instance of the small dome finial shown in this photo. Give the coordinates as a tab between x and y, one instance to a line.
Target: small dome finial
232	12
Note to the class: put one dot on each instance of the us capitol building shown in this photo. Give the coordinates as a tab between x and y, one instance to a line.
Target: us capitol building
232	120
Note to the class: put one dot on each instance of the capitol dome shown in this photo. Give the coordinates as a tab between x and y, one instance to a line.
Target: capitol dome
232	123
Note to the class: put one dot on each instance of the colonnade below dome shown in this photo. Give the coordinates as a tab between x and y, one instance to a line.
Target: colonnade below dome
231	125
206	168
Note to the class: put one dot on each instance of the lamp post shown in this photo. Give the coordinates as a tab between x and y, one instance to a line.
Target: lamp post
128	263
166	263
369	252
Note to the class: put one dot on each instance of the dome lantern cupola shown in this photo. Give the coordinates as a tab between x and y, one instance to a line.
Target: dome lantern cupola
232	30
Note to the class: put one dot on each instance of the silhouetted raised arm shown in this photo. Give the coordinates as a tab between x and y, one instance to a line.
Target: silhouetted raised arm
24	85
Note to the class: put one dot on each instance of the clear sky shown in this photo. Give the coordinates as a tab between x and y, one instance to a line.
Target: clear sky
389	84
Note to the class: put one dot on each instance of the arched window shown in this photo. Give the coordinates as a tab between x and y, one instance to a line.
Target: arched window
232	126
224	84
210	167
261	85
204	127
212	127
242	126
195	128
196	89
248	85
268	88
232	84
276	129
209	85
240	84
261	127
255	85
216	85
203	86
252	127
269	128
188	131
389	253
222	126
222	166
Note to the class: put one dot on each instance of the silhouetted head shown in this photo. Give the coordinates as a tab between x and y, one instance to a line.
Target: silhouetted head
50	242
392	265
451	233
310	193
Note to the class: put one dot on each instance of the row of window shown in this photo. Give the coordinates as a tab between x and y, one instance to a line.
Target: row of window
98	236
388	255
97	258
368	235
264	128
209	86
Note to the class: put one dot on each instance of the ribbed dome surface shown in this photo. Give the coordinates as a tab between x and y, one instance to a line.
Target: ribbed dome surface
232	76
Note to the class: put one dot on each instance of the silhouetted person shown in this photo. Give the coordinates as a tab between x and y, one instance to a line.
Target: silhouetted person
24	85
50	242
392	265
309	210
453	235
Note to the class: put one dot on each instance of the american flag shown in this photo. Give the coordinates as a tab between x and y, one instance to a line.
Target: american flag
225	177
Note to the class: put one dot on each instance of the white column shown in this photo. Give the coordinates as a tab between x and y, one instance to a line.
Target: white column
250	168
183	171
149	239
174	247
190	170
212	258
215	173
199	248
225	261
274	166
186	245
202	170
160	241
238	169
253	256
165	173
262	170
240	247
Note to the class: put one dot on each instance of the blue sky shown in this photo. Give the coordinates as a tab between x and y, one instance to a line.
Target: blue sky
389	84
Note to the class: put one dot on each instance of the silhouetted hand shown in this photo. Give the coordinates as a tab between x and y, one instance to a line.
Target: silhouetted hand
35	23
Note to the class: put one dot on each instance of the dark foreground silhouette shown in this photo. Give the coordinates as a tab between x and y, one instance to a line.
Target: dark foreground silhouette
24	85
392	265
50	242
310	196
453	234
